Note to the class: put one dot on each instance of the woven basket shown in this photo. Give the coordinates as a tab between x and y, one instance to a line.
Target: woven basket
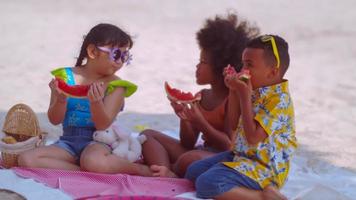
22	124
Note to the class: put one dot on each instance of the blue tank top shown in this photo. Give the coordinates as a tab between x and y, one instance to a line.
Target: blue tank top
78	109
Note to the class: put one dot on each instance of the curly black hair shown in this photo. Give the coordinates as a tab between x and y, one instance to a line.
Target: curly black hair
224	39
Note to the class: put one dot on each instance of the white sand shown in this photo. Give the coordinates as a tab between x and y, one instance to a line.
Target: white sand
37	36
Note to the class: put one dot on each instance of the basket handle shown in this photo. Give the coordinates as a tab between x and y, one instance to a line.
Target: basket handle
38	143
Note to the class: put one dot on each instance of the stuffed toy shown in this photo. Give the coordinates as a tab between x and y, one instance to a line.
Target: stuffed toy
123	144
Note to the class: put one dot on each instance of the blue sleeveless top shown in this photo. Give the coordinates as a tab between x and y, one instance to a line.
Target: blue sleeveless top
78	109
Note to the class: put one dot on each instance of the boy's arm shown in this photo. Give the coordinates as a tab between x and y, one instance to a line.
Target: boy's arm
253	131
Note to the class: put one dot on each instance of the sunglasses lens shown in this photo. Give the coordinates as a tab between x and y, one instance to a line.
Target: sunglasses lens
117	54
125	56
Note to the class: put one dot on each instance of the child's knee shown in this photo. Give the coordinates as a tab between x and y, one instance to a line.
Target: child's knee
193	171
207	186
26	159
149	133
92	164
183	162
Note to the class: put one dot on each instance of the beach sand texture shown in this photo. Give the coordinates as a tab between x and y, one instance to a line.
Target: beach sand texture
38	36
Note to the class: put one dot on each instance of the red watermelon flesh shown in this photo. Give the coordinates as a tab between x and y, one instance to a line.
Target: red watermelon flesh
79	91
229	70
180	96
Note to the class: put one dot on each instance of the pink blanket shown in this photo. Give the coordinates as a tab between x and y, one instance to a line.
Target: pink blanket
80	184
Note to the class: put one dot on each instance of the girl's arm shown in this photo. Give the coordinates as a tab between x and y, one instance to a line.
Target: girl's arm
188	134
104	111
58	104
233	114
210	134
221	139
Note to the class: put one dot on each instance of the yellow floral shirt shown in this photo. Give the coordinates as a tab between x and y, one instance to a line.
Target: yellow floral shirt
268	161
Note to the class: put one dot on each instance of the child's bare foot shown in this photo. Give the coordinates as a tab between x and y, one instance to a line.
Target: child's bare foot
162	171
271	192
144	170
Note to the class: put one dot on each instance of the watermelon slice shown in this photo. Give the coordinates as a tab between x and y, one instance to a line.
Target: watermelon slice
77	91
244	75
180	96
229	70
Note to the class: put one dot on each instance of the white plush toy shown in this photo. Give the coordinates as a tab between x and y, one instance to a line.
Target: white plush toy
122	142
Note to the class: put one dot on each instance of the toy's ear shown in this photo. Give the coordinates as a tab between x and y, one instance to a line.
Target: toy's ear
115	128
98	135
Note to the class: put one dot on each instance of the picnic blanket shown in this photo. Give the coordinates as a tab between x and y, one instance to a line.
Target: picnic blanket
81	184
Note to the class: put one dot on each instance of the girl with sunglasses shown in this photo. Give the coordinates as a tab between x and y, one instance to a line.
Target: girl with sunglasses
105	50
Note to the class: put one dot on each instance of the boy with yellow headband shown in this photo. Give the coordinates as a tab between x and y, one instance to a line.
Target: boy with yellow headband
262	111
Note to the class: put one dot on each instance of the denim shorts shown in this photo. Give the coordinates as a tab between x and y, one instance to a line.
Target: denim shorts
213	178
75	139
206	148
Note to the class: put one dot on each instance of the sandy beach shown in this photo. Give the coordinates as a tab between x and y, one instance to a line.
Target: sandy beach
38	36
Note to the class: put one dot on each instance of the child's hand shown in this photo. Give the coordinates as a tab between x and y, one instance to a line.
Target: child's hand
233	82
96	92
177	107
59	95
229	80
229	70
192	114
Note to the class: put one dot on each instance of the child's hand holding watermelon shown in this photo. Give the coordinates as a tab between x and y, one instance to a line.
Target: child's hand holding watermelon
234	80
56	92
177	107
243	75
96	92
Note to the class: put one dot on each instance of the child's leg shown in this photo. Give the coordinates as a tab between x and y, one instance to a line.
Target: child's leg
183	162
160	149
241	193
269	193
48	157
222	182
199	167
163	171
98	158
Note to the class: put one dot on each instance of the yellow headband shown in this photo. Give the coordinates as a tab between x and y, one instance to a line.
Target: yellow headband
267	38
